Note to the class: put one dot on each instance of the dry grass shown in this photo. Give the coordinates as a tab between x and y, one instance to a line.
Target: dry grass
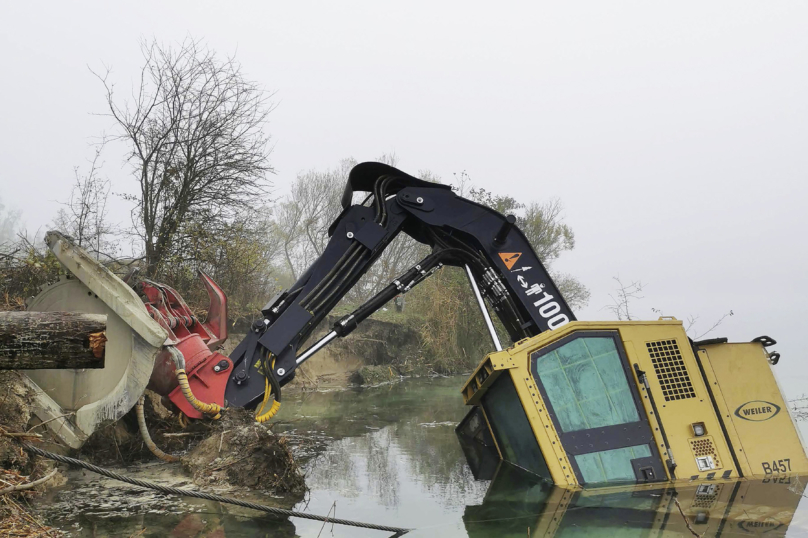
15	518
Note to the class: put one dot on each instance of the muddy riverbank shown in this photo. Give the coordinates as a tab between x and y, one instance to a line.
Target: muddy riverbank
232	456
364	447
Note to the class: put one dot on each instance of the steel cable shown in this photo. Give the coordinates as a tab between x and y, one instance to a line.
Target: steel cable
209	496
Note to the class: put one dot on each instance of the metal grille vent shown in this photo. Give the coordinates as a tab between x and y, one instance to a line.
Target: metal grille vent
670	370
703	446
706	496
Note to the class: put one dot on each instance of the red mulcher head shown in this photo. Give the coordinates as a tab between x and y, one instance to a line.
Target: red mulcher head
207	369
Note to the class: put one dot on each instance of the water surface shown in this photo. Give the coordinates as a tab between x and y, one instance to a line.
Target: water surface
389	455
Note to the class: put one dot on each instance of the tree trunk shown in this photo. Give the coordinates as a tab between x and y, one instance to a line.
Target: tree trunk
35	340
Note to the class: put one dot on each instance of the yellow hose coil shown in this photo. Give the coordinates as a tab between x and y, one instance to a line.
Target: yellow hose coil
144	433
211	409
276	405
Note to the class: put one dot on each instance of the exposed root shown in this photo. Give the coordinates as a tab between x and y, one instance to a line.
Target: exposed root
231	451
122	443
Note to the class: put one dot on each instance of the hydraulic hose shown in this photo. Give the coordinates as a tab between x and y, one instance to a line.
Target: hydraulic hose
313	301
323	301
144	433
338	271
211	409
271	388
274	408
314	293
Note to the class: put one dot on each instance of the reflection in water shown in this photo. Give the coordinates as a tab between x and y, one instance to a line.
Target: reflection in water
395	457
389	455
517	502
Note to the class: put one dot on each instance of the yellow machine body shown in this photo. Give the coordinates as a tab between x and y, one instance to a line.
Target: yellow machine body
598	403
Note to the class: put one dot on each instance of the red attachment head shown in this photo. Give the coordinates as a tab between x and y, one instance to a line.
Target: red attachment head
216	322
207	370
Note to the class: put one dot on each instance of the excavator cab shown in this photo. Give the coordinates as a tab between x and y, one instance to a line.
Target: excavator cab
598	403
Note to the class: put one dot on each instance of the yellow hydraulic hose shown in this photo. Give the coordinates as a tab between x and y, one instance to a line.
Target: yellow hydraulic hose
211	409
276	405
144	433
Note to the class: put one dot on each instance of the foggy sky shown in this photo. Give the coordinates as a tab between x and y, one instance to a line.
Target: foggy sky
676	135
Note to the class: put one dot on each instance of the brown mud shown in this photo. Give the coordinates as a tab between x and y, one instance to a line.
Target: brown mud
233	455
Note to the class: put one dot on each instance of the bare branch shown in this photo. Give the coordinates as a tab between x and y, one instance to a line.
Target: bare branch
712	328
621	301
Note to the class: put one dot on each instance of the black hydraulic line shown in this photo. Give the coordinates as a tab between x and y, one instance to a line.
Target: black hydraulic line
346	275
379	188
268	373
511	313
328	278
386	183
208	496
378	200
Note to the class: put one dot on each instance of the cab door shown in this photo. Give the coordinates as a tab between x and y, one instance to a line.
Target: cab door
595	406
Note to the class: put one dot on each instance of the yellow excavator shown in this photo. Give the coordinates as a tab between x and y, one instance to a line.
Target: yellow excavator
577	403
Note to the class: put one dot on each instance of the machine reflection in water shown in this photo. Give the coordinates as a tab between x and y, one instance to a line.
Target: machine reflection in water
517	501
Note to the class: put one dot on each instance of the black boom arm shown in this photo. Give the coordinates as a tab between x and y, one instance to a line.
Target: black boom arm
462	233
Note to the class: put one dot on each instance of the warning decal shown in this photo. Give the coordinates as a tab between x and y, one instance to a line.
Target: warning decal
510	258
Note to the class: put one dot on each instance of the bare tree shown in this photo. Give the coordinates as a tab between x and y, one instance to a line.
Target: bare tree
287	227
302	219
195	129
573	290
318	195
621	302
84	215
543	226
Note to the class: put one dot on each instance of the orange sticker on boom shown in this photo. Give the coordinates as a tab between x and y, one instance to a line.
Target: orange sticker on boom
510	258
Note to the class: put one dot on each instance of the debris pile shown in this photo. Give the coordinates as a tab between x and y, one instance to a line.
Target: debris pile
240	452
15	412
21	476
120	443
231	451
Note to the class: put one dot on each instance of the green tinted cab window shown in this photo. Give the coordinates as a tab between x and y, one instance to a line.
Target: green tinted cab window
586	384
511	428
